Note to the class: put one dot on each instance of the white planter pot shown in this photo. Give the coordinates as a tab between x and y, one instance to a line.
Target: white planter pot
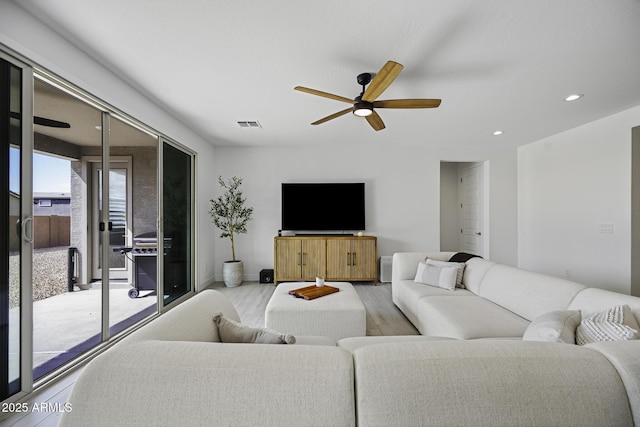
233	272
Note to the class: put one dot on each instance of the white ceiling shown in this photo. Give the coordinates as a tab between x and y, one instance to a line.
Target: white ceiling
496	64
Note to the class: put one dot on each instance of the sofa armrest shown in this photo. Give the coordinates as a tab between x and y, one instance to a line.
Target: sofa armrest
190	321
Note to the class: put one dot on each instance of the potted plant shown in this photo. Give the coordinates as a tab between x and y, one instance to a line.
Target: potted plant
231	216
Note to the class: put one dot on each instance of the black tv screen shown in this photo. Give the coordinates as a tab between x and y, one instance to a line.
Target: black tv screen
323	206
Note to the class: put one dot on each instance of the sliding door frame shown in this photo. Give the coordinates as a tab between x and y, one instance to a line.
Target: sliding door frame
30	71
26	224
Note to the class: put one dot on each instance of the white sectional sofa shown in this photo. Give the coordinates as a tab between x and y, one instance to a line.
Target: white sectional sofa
497	301
173	371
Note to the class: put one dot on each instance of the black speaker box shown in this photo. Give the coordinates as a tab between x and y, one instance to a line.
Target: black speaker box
266	276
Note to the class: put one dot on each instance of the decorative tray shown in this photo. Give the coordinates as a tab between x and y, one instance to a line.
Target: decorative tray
313	291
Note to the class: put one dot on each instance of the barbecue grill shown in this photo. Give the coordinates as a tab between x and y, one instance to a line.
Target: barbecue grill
144	256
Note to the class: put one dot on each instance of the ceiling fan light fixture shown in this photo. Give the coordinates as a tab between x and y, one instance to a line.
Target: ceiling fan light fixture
363	108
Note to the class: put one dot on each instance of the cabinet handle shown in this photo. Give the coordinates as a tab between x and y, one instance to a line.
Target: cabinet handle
348	258
304	258
299	258
353	261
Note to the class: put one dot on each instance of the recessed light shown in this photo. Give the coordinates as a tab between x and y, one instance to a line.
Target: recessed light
573	97
498	132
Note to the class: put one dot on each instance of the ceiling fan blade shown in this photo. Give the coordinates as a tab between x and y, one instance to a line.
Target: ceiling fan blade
42	121
375	121
407	103
382	80
323	94
50	123
332	116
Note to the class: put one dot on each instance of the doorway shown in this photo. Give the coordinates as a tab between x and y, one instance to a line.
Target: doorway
119	219
464	214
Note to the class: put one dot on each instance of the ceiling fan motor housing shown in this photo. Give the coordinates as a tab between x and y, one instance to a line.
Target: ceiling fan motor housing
364	79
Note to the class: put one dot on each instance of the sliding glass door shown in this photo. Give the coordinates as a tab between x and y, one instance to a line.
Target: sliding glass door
97	225
177	201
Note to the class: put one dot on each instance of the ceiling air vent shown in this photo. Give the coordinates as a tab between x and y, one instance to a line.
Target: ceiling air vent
250	124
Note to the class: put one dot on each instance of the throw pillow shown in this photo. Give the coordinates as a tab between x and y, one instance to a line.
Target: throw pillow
420	272
441	277
459	265
234	332
615	324
555	326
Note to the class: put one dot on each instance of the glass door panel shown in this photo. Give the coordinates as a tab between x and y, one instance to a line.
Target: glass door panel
11	124
67	305
177	182
133	213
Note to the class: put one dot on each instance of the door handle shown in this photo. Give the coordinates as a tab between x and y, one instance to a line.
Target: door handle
101	226
23	226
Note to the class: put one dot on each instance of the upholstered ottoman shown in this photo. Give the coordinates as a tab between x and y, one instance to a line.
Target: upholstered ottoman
338	315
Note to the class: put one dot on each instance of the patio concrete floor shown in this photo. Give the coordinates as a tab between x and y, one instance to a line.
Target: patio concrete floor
63	325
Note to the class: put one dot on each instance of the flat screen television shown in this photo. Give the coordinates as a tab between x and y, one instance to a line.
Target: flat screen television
323	206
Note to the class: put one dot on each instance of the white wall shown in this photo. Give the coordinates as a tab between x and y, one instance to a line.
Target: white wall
402	194
36	42
570	184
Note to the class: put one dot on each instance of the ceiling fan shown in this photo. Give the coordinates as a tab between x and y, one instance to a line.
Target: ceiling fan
43	121
364	104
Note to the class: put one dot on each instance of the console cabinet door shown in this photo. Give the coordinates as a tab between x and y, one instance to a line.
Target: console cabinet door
288	263
338	259
363	259
314	258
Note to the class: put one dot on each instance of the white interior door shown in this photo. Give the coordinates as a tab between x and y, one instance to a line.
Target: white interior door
472	209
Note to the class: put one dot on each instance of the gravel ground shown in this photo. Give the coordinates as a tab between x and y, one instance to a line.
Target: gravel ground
49	274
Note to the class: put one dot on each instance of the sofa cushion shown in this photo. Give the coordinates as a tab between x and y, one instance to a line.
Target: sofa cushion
487	383
594	300
408	293
555	326
439	276
458	265
615	324
162	383
234	332
467	318
526	293
623	355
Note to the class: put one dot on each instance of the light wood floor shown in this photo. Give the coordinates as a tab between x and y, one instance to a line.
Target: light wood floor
250	299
